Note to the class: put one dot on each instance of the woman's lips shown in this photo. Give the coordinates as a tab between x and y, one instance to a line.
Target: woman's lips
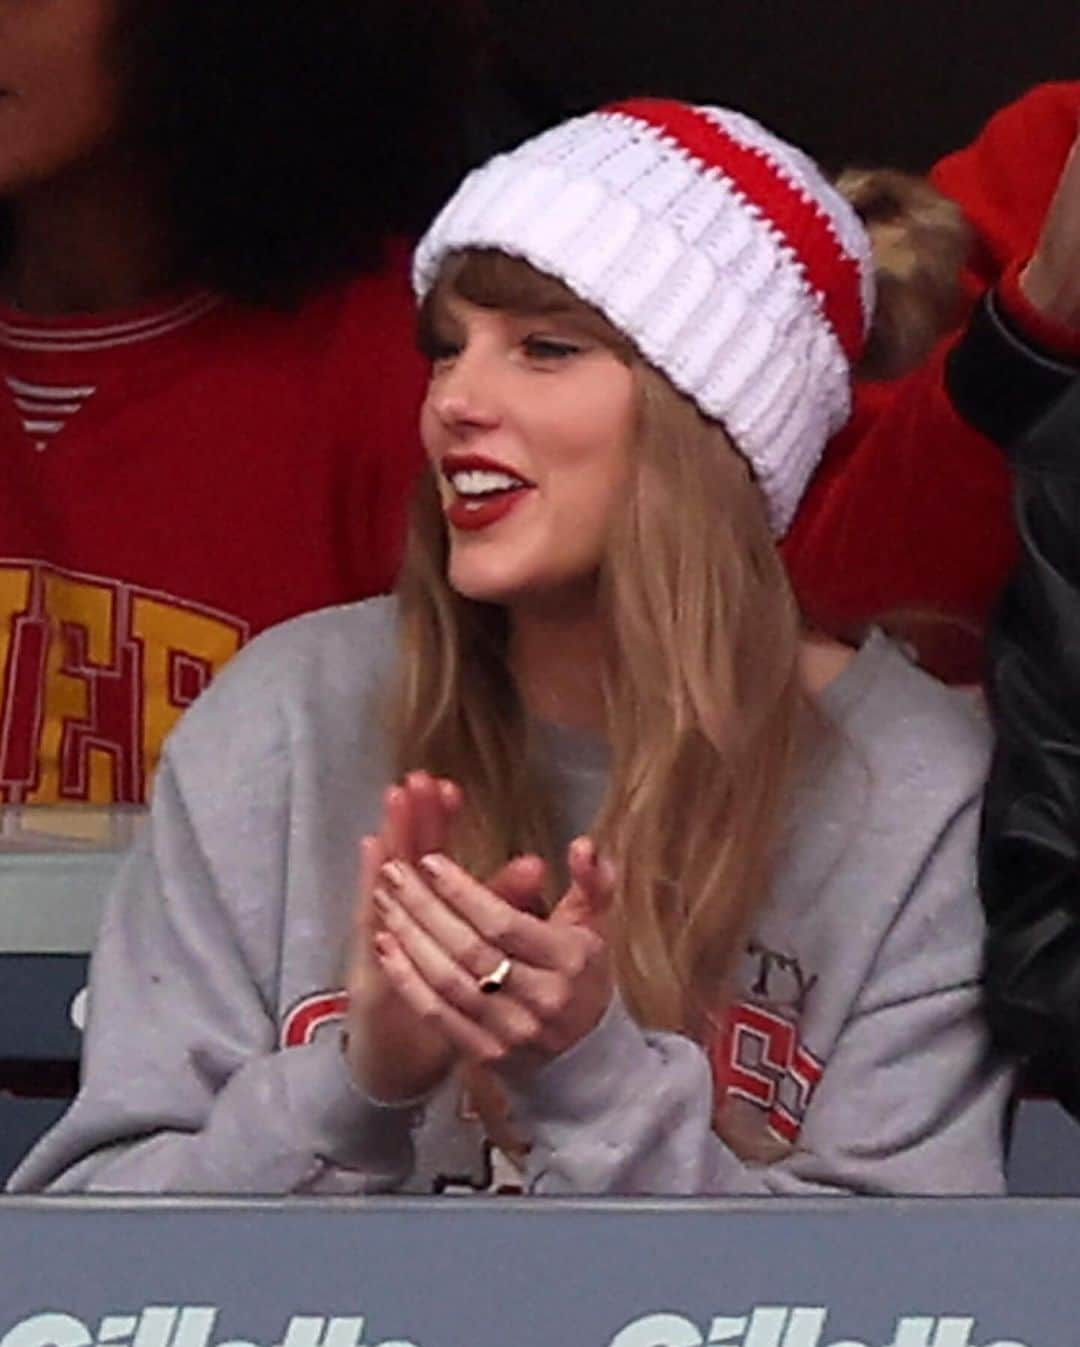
472	514
478	491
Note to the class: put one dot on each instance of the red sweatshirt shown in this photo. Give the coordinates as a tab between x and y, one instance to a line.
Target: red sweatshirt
912	505
175	480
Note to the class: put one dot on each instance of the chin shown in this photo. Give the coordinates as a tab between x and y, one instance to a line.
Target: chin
485	573
553	597
481	588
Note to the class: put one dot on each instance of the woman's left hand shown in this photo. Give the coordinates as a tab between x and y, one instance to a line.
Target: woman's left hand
444	933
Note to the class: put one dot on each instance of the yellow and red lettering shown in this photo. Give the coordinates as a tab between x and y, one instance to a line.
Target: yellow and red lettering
82	642
182	650
14	605
95	674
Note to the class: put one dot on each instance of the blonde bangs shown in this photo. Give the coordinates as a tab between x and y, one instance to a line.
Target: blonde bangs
495	280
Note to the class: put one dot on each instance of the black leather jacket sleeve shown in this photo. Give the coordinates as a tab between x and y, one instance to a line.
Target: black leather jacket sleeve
1030	845
998	379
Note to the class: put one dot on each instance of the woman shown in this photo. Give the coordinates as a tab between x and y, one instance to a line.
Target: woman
759	971
201	219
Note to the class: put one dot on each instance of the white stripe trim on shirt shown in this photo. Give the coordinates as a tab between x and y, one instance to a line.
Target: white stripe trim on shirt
46	411
19	338
49	392
47	408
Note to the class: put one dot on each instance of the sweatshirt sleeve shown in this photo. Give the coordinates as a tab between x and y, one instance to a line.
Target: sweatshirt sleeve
910	1100
1030	845
184	1087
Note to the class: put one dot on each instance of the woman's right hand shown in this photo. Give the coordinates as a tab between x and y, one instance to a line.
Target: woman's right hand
393	1053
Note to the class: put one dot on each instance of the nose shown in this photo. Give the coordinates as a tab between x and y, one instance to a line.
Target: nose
462	394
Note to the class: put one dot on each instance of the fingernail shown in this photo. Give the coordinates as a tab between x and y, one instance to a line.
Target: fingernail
382	901
394	873
433	865
580	854
382	945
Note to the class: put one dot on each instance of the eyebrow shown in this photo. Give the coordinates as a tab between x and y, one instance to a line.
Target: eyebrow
445	323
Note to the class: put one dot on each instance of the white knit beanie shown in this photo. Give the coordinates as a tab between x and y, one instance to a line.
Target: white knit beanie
718	249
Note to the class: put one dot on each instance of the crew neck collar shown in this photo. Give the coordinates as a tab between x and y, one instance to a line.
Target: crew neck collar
110	328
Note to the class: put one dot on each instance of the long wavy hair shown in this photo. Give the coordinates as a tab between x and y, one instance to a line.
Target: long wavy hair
705	709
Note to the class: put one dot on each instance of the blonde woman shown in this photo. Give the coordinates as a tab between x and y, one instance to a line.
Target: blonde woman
674	896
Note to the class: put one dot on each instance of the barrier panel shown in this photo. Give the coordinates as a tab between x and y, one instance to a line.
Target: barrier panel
56	864
453	1272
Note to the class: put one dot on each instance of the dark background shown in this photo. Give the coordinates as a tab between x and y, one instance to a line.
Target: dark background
870	81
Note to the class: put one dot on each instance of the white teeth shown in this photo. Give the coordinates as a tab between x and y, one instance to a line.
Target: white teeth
482	482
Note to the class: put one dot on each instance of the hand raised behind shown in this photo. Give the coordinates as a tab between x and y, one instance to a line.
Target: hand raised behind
1051	280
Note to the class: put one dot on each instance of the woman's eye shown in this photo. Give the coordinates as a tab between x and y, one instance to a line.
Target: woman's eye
550	348
440	349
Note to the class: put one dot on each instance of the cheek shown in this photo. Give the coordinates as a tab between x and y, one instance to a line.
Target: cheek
75	133
596	456
64	108
429	429
583	494
39	146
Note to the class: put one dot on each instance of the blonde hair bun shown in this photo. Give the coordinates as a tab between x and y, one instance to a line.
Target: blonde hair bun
920	241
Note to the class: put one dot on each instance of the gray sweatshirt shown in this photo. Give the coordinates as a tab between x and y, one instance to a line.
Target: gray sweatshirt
853	1057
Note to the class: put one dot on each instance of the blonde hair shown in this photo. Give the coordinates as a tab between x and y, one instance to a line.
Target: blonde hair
704	704
920	241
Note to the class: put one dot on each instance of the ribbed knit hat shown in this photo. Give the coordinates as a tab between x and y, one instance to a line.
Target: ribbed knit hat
721	251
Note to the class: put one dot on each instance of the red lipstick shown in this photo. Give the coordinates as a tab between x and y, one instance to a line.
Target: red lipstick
485	490
471	516
452	462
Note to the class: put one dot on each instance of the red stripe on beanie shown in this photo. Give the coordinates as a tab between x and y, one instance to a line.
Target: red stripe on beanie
832	272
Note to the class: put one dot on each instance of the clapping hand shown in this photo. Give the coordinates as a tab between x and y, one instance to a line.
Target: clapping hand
394	1053
505	988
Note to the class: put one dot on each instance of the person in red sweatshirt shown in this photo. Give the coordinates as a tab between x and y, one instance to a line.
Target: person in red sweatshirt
208	383
911	510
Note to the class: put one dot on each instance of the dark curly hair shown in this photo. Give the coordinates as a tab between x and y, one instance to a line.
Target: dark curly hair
293	136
